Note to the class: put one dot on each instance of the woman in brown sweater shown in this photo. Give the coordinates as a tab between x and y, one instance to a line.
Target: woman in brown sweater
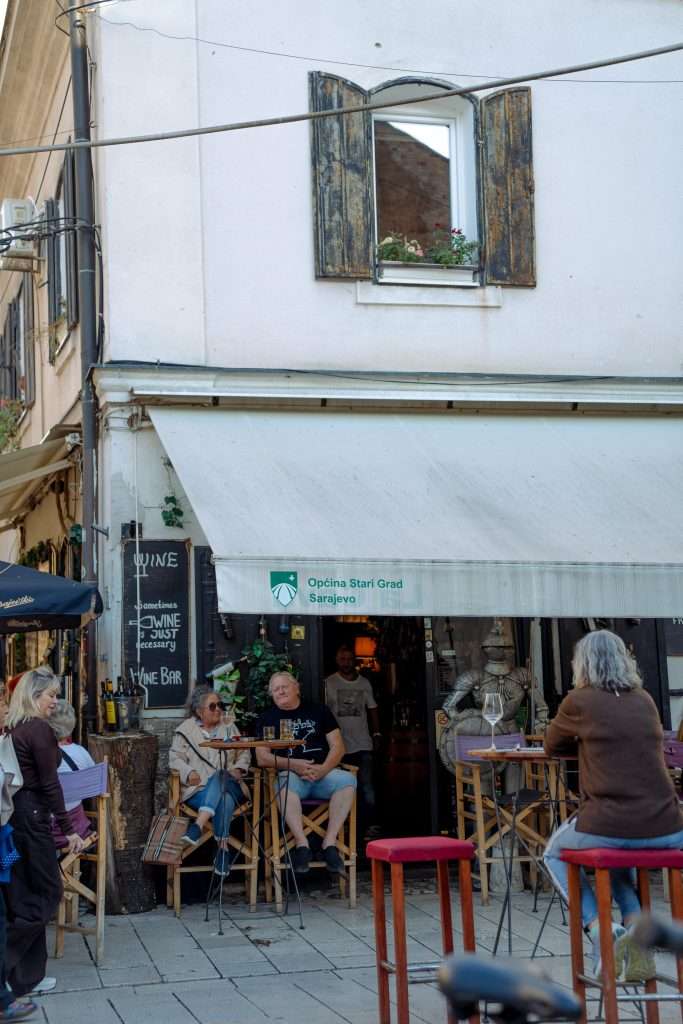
35	888
627	798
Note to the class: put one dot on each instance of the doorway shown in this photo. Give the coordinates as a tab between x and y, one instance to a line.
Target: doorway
390	653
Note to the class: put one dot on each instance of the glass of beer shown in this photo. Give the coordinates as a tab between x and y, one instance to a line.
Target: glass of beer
286	729
268	732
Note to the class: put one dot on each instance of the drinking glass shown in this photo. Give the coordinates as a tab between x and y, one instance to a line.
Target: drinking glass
493	712
286	729
268	732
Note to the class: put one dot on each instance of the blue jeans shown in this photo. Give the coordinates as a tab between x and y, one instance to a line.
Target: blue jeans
623	879
219	797
323	789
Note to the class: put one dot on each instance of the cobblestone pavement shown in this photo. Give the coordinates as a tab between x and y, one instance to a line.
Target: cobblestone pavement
266	968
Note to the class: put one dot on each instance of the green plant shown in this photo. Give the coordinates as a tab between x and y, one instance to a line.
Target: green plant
450	248
36	555
399	248
262	661
173	513
10	414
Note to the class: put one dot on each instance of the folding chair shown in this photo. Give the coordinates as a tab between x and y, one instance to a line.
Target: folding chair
315	814
82	785
246	849
476	810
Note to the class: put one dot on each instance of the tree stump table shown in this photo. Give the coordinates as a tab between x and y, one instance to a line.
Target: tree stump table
132	766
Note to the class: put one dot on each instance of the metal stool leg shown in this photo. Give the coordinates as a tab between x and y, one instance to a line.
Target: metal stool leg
380	916
576	936
400	944
603	889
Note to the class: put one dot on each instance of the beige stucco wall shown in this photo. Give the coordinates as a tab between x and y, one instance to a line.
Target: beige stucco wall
35	105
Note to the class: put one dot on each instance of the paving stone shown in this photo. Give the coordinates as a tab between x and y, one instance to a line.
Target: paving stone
145	974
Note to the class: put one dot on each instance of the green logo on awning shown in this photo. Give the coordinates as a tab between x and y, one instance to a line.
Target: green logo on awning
283	587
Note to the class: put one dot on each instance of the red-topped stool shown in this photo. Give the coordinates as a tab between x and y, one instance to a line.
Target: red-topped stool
602	860
398	852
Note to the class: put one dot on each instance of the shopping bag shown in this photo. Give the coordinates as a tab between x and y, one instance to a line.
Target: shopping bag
164	843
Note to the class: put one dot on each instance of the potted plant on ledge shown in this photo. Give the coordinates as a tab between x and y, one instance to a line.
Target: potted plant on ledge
449	259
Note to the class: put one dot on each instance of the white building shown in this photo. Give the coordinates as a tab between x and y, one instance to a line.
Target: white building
497	441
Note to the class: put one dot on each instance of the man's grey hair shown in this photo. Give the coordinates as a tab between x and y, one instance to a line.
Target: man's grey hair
602	660
197	698
282	675
62	720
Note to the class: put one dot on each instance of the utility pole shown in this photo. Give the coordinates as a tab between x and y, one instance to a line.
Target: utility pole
85	217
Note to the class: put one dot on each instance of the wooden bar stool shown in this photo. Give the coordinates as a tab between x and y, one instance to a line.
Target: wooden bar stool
398	852
602	860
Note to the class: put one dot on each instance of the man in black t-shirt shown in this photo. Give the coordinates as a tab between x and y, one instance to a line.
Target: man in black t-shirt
313	771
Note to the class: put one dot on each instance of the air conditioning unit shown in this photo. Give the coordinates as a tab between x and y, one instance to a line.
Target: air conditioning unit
13	214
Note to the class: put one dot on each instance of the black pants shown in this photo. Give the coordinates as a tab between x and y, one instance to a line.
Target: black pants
32	895
364	762
5	997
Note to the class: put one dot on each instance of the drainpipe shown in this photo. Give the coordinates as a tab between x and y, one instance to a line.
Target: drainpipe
85	215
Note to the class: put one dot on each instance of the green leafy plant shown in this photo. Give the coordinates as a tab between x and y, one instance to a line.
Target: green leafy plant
262	660
10	414
172	513
398	248
450	248
36	555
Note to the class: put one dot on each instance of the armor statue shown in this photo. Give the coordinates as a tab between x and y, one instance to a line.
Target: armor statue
498	676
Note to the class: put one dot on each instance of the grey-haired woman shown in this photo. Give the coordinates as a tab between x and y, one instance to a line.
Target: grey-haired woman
628	800
35	887
213	793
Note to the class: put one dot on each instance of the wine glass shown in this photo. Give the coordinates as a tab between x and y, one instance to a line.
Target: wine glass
493	712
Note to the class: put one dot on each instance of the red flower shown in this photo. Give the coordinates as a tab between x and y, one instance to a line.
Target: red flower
437	225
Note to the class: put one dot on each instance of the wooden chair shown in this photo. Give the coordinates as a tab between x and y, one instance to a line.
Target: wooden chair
84	784
246	849
315	817
476	811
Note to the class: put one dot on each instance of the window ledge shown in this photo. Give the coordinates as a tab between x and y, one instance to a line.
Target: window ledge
370	294
64	352
433	274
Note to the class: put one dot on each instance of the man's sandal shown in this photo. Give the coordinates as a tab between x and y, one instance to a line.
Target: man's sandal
18	1011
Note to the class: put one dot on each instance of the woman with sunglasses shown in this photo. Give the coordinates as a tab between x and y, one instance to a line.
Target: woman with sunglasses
211	792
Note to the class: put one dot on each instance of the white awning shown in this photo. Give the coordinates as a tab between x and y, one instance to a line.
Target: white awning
329	513
20	469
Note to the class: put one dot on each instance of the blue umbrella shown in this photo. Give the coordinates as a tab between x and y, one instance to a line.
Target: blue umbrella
32	600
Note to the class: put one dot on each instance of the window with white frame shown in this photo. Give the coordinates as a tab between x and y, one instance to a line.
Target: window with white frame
451	175
424	178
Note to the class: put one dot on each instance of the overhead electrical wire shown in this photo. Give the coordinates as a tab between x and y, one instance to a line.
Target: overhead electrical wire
371	67
319	115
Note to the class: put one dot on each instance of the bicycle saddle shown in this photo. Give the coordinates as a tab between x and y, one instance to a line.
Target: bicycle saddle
466	979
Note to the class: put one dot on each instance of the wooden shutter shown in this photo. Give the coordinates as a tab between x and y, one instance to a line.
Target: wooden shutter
342	180
53	289
4	358
508	188
29	342
13	350
70	286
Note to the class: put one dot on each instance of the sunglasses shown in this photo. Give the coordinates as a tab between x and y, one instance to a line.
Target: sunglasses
216	704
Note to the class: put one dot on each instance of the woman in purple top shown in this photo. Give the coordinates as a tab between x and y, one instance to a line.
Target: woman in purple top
35	888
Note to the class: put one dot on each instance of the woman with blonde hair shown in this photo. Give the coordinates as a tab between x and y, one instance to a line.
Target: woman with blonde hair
628	800
35	888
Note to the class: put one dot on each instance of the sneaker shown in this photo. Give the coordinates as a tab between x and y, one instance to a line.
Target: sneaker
17	1011
596	958
193	834
639	964
46	985
301	860
222	862
333	861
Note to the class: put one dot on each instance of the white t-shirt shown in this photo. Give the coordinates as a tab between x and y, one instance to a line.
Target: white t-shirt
80	756
349	700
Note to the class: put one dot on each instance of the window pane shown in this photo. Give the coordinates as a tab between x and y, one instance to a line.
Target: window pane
412	169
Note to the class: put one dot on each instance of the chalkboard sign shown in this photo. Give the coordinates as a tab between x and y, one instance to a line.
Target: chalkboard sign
673	636
162	568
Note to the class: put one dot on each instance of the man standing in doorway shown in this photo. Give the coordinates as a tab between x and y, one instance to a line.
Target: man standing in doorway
350	698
